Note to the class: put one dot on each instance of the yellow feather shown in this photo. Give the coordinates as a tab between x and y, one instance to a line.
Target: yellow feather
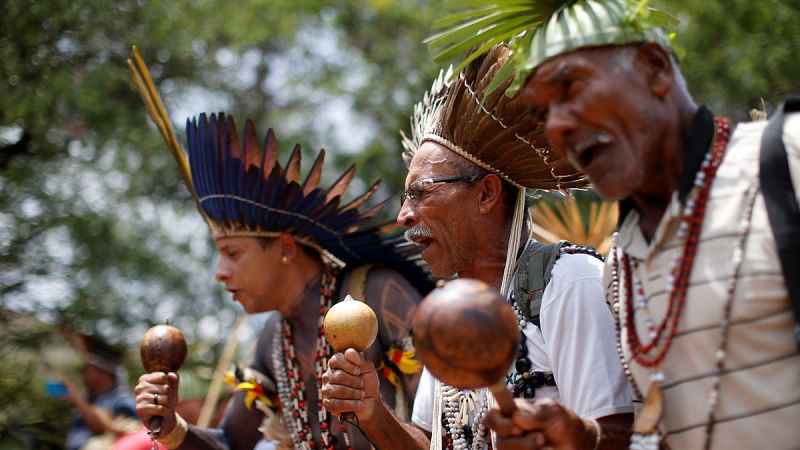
158	115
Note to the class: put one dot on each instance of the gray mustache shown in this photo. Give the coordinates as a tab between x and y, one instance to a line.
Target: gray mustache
418	232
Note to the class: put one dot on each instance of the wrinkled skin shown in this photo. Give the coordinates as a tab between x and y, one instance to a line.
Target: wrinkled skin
459	217
611	110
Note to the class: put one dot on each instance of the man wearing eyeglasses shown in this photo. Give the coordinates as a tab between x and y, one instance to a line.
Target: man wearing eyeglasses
464	203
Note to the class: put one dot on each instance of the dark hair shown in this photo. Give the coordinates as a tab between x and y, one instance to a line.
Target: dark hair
264	242
468	169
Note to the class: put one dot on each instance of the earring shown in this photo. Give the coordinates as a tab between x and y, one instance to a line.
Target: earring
284	259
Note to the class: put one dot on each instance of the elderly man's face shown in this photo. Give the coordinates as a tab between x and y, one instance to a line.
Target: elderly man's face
597	107
438	215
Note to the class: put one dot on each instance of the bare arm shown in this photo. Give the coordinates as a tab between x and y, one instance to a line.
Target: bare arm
97	423
239	428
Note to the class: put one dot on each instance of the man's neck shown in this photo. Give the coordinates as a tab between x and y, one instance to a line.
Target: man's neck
653	199
491	264
304	313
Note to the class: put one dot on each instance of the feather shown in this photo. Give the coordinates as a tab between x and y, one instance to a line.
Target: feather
270	152
340	186
363	198
158	115
315	174
293	165
490	129
252	154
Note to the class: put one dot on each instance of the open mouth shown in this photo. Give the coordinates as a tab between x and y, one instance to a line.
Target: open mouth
588	155
419	241
419	235
587	150
424	243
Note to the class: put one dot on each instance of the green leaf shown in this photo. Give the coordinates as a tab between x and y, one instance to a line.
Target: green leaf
501	76
661	19
496	34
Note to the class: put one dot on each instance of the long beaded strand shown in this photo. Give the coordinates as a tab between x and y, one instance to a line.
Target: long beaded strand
678	281
617	325
725	323
290	382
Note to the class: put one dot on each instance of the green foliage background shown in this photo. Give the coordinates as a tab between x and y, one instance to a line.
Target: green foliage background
96	231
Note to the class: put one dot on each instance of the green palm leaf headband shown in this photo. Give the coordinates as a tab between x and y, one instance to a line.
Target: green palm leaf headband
537	30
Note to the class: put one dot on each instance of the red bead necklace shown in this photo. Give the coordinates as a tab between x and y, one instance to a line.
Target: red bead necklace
295	408
690	228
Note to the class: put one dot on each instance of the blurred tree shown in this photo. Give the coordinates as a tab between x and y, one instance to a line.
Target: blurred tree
95	224
739	51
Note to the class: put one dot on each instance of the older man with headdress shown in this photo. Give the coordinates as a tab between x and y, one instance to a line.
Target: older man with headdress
703	274
291	246
470	164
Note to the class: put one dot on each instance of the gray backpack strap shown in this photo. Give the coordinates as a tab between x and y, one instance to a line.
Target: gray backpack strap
532	275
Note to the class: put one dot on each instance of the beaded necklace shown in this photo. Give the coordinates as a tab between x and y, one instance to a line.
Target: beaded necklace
646	434
678	282
725	322
291	388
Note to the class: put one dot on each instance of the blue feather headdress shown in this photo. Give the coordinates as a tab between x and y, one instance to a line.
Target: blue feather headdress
242	190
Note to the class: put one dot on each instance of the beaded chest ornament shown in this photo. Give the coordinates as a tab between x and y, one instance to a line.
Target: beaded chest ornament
650	353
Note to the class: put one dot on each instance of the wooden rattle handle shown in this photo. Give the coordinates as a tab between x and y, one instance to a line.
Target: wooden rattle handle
503	397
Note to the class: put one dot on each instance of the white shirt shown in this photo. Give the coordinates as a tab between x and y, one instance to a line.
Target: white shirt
576	342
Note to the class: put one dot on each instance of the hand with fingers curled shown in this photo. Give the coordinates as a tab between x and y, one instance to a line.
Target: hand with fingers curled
541	424
350	385
157	395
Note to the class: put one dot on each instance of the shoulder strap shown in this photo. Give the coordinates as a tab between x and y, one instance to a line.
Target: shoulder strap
533	274
781	203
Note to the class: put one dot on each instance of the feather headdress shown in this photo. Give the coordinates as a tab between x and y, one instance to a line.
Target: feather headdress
242	190
494	132
425	119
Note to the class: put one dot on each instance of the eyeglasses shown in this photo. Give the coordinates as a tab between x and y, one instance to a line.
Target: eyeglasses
418	190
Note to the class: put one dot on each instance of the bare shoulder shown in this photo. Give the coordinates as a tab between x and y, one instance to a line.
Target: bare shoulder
385	286
262	355
394	300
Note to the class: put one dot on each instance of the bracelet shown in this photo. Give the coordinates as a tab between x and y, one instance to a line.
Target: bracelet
175	437
598	433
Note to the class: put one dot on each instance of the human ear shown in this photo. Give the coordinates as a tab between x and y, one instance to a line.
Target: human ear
491	194
288	247
658	67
